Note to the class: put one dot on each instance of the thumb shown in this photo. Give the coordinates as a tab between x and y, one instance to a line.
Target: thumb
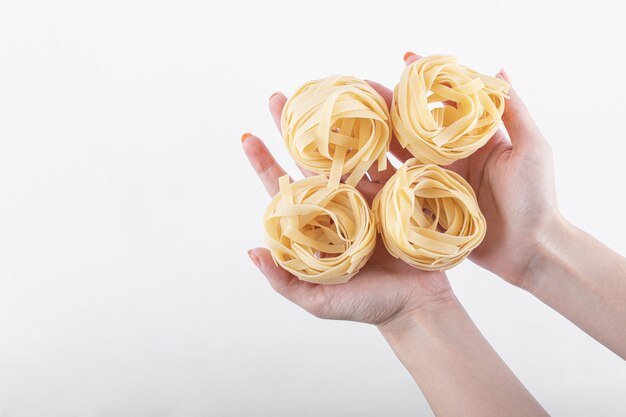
519	124
304	294
411	57
385	93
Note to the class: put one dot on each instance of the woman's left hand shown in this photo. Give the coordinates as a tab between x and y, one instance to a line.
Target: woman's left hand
384	290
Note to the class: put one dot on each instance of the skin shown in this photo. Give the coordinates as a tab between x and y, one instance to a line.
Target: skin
383	290
528	243
514	182
416	311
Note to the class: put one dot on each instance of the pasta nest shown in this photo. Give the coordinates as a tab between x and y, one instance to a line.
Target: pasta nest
320	234
428	216
443	111
336	126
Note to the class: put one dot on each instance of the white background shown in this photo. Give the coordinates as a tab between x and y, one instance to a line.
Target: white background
127	206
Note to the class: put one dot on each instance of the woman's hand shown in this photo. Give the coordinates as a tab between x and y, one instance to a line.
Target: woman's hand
384	290
416	311
528	242
514	183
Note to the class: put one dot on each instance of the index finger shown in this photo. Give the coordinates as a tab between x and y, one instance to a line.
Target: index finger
277	103
263	162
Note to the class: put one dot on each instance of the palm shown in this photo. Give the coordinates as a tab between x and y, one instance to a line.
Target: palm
515	190
511	190
385	287
382	289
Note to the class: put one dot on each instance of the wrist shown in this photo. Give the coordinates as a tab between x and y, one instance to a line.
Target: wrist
547	254
419	316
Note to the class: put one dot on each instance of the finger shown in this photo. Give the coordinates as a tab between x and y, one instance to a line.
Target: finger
305	294
306	172
369	189
277	103
398	151
364	186
410	58
519	124
263	162
386	93
460	167
381	176
476	163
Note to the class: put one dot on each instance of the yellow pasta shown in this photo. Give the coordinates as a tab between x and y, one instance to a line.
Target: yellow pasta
337	126
428	216
443	111
320	234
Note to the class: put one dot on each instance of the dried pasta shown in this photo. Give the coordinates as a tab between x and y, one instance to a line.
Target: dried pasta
320	234
443	111
337	126
428	216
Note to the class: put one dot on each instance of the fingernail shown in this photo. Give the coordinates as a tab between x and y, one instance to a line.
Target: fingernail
408	55
274	95
255	259
245	136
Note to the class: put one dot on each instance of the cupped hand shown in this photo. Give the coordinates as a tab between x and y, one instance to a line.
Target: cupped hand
384	290
513	178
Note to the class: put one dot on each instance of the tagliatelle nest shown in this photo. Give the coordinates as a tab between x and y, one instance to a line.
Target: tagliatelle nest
320	234
322	230
337	126
428	216
443	111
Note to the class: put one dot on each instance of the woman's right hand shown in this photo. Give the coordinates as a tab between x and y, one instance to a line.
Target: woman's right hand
528	243
514	183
